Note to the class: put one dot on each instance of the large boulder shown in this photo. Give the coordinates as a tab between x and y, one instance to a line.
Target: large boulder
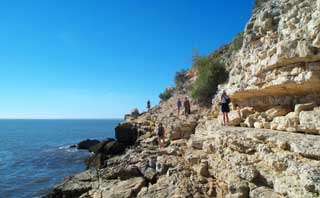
251	119
120	172
86	144
103	151
181	129
264	192
246	111
135	113
126	133
258	125
75	186
108	147
303	107
289	123
96	161
125	189
118	189
277	112
310	121
234	118
113	148
98	147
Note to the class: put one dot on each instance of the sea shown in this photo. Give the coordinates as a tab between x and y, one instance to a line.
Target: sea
35	155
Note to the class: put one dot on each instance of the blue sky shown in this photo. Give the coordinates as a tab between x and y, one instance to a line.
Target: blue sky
101	58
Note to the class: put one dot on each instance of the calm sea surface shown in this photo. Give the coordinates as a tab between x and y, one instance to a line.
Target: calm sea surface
35	154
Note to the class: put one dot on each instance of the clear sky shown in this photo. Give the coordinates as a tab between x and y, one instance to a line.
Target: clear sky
102	58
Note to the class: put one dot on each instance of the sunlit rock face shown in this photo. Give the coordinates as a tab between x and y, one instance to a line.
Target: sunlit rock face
280	56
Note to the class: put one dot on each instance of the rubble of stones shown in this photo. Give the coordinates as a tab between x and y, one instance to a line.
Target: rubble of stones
304	119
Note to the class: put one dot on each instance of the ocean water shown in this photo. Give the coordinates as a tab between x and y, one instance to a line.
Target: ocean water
35	154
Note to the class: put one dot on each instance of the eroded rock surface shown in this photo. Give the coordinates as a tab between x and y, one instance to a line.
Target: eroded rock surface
284	164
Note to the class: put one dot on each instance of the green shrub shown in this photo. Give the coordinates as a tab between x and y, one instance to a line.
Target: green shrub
168	92
212	72
180	78
236	43
259	3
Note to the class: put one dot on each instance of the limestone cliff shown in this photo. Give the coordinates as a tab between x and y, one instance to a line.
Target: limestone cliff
280	57
278	67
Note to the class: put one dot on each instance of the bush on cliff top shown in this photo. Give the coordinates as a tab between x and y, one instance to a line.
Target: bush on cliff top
259	3
180	78
168	92
237	42
212	72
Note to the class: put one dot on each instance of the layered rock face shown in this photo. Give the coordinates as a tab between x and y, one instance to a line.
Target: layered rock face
277	71
280	57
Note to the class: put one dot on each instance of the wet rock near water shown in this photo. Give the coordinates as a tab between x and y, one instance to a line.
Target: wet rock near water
87	144
103	151
126	133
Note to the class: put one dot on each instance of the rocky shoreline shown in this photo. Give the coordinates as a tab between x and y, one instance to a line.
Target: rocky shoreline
200	160
143	170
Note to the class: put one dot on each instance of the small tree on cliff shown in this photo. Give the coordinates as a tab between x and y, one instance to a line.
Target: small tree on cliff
237	42
167	94
259	3
180	78
212	72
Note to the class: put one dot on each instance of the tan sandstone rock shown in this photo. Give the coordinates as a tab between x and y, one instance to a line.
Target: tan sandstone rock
303	107
234	118
245	112
277	112
310	121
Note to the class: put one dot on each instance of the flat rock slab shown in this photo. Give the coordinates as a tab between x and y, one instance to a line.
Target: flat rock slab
304	144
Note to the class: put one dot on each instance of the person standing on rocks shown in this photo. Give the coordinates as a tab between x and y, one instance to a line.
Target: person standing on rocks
187	106
225	101
179	104
161	135
148	105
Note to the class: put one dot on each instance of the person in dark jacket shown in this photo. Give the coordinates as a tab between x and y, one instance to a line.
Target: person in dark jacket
179	104
161	135
225	101
148	105
187	106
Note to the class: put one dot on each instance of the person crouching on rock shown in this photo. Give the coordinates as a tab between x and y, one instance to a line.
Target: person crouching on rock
161	136
225	100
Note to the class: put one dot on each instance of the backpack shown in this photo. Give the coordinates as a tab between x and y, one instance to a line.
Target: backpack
228	100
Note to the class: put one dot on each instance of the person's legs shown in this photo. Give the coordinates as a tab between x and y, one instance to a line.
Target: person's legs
159	141
227	117
163	141
224	118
